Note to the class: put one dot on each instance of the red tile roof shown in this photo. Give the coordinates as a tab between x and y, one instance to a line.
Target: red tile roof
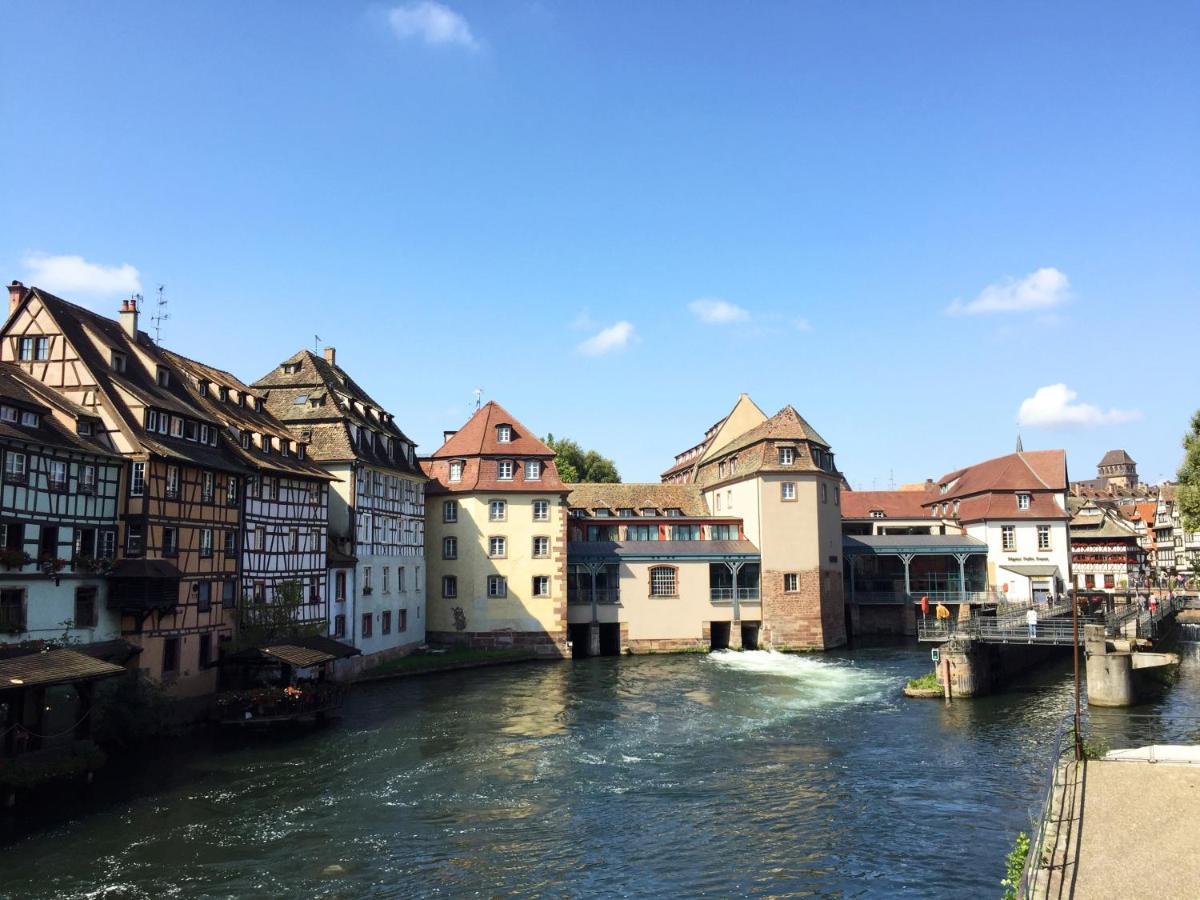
1030	470
893	504
478	437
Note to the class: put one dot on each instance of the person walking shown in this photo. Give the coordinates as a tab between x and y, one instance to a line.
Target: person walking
1031	620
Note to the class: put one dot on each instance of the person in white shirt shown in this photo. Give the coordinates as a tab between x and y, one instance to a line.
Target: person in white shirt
1031	621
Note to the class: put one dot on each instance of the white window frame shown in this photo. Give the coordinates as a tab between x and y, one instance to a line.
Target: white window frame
664	581
503	434
541	585
497	510
450	547
1008	538
137	479
541	547
504	470
497	587
533	470
1023	501
497	547
541	510
787	456
449	511
456	470
787	490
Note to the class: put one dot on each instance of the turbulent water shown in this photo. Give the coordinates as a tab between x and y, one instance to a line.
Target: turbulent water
731	774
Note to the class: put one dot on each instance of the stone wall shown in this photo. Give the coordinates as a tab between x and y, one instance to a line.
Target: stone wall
811	618
548	644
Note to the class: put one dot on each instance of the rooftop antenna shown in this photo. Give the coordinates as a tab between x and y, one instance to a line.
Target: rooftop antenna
160	315
891	479
316	343
478	392
1020	446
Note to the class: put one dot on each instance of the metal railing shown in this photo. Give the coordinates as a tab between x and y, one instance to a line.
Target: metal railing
1049	629
718	595
602	595
975	598
1064	746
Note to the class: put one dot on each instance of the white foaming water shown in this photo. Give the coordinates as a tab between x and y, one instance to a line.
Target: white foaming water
819	681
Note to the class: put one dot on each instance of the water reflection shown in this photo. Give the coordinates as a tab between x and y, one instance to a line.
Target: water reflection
748	773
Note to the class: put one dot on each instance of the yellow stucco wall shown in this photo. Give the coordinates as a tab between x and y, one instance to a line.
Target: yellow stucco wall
520	611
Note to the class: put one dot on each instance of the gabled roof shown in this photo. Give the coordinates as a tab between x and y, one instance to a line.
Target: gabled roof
685	497
243	418
25	391
84	329
330	428
478	437
1031	470
787	423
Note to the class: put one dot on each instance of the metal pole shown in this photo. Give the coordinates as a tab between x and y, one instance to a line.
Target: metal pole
1075	653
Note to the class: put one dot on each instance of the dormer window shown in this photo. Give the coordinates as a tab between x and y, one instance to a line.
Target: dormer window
504	470
258	404
30	420
283	447
163	376
241	399
1022	501
204	389
301	451
648	511
176	426
877	514
600	512
223	393
9	414
504	434
83	428
117	361
246	440
625	512
673	512
266	444
291	368
456	470
533	469
787	456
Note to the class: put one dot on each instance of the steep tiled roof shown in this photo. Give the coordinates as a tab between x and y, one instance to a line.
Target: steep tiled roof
1004	506
325	408
1031	470
1116	458
24	391
894	504
787	423
685	497
243	418
86	331
478	437
476	446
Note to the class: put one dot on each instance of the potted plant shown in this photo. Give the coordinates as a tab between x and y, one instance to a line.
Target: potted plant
96	565
52	565
14	559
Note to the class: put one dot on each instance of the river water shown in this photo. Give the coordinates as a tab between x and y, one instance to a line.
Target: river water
731	774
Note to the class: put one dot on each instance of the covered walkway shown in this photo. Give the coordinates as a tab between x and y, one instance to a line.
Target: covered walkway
903	568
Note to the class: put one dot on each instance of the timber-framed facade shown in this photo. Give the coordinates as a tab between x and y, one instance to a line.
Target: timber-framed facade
285	508
375	553
174	582
58	516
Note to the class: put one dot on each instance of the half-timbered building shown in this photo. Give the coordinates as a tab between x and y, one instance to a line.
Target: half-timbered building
58	516
285	510
376	506
174	583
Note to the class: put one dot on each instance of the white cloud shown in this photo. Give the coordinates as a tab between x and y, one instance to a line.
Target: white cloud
1043	289
715	311
432	23
1054	405
583	321
74	275
607	340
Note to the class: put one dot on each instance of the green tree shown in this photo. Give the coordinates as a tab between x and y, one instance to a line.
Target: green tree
1187	496
264	621
576	464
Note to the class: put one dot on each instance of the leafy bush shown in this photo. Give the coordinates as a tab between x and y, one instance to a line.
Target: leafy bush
131	709
927	682
1014	865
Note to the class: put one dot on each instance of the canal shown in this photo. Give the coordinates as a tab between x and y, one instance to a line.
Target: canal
732	774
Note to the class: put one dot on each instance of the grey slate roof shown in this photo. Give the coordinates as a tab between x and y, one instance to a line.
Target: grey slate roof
912	543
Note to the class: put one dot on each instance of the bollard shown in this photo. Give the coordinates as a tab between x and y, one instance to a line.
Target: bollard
946	679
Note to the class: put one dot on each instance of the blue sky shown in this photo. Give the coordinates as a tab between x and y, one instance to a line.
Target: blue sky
909	220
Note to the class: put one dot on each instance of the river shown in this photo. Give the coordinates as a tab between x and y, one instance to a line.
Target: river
731	774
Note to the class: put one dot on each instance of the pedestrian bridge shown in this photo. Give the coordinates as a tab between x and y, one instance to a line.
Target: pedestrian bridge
1054	625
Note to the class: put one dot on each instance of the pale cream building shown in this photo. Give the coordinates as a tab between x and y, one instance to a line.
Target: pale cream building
496	538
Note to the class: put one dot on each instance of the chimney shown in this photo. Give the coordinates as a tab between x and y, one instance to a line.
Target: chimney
16	293
446	435
331	356
129	317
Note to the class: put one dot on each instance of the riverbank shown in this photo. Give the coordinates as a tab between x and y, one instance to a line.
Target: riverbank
429	662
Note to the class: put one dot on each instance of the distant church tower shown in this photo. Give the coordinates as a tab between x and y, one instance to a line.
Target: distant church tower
1118	469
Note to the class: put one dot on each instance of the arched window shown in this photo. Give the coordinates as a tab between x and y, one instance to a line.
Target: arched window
663	582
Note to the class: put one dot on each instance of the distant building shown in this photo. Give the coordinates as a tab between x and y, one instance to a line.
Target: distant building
1106	556
497	538
1116	479
376	548
1177	552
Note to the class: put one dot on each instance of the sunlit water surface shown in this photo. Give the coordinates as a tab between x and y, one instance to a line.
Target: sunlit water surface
723	775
